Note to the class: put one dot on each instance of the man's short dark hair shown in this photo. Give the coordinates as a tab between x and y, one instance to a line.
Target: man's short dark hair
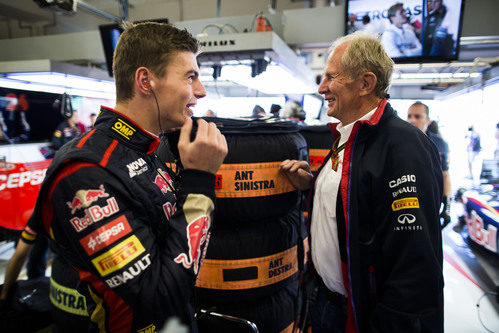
151	45
426	108
366	19
392	11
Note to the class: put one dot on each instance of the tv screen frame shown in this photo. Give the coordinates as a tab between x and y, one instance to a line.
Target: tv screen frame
110	34
417	11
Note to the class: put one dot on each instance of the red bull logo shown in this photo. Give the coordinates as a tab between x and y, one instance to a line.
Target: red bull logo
197	235
161	183
84	198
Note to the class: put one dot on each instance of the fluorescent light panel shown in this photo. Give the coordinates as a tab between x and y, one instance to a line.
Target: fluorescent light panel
59	83
275	80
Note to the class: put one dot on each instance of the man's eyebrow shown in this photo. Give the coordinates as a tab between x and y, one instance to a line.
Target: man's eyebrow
192	72
332	74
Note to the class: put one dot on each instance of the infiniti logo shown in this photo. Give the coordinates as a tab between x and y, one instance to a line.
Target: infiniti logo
409	218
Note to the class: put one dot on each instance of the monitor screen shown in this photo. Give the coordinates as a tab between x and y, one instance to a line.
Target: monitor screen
411	30
110	34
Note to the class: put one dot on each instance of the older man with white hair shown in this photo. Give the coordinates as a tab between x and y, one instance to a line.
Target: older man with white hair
375	233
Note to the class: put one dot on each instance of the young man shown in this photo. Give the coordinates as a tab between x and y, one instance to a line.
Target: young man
375	232
419	115
132	230
399	40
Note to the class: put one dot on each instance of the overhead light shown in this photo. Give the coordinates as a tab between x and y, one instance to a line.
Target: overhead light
243	58
59	83
274	80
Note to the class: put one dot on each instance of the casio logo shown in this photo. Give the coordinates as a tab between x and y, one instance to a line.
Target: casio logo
401	180
409	218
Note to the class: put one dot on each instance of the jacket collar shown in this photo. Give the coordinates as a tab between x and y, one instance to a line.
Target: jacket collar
126	131
375	119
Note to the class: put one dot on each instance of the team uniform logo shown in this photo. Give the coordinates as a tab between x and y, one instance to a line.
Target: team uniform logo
169	209
406	218
130	273
486	236
124	129
94	214
106	235
149	329
137	167
119	256
402	180
197	235
405	203
164	181
84	198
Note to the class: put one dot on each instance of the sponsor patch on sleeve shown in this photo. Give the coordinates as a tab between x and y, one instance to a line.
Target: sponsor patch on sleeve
405	203
119	256
106	235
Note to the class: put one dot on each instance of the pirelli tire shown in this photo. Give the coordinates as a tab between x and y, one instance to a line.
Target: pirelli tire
251	261
319	142
256	147
259	143
271	314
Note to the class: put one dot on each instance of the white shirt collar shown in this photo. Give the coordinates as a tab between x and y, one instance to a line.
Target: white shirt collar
348	128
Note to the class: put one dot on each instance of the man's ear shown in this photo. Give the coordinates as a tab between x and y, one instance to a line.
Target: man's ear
143	80
367	83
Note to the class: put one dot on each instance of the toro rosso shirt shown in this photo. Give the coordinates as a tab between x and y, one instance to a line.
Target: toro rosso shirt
134	231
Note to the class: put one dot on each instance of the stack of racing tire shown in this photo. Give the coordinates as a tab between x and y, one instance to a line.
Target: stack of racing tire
255	253
319	142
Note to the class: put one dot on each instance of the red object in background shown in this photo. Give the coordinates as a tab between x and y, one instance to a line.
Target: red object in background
260	24
417	24
19	187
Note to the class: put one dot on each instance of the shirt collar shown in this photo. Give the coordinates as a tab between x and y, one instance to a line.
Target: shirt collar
126	130
346	130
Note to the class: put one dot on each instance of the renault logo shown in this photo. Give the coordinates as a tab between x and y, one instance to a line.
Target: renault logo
409	218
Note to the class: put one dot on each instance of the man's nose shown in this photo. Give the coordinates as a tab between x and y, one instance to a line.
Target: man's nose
199	90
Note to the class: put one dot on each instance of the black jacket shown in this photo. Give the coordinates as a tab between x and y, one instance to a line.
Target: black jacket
388	226
135	233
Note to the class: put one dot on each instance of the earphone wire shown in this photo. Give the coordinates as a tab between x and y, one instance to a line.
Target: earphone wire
163	137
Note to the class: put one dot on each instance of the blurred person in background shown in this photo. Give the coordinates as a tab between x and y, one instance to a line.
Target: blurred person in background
438	36
352	24
419	115
275	110
399	39
3	138
258	112
473	148
294	111
210	113
67	130
367	26
92	117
